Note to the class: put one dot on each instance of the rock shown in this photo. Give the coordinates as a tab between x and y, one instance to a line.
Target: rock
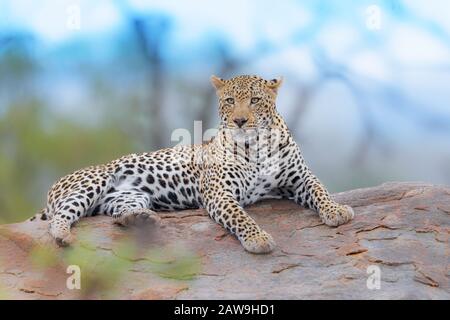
401	230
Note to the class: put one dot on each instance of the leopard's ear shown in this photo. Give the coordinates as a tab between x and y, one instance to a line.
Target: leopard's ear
274	84
217	82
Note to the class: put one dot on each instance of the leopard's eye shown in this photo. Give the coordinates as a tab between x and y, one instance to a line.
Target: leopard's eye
255	100
229	100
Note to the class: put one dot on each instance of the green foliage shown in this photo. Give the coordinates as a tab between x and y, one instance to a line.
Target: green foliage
174	263
100	273
16	61
37	147
3	295
103	269
44	257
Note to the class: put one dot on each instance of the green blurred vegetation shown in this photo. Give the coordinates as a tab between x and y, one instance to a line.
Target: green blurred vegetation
182	265
42	139
103	270
37	147
3	295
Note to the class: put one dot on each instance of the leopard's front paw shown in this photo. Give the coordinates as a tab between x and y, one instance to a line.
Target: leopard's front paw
337	214
262	242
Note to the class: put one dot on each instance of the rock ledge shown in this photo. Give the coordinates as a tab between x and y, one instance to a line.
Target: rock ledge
400	229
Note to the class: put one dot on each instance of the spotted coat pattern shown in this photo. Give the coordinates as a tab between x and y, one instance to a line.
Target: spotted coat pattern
253	156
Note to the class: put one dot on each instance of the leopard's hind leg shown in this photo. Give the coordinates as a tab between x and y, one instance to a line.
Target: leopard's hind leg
74	197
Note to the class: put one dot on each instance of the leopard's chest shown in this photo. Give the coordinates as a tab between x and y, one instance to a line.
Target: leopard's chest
265	180
258	188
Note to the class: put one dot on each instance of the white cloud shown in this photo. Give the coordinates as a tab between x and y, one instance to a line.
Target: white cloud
297	60
49	18
370	64
244	22
411	45
436	11
338	39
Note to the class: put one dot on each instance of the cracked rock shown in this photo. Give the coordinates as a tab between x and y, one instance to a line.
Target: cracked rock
400	229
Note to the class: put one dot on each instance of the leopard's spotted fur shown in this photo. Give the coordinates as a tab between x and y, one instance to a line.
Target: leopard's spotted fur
252	156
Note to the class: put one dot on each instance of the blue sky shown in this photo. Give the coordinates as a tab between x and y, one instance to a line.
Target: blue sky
408	52
411	47
342	25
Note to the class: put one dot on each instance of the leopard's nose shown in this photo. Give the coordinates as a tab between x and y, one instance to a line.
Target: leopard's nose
240	121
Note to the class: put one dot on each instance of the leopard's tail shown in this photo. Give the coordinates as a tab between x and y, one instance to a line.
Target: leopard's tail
41	215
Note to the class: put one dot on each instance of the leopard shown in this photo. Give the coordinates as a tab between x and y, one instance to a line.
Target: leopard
252	156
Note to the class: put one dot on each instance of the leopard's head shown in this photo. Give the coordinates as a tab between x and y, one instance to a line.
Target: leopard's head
246	102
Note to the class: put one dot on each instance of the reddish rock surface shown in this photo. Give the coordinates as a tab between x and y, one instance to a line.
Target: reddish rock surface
401	228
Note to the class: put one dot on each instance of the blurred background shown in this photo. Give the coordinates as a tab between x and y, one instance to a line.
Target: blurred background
366	84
